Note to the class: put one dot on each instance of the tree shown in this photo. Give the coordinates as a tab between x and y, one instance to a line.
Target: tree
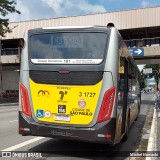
143	80
6	7
155	71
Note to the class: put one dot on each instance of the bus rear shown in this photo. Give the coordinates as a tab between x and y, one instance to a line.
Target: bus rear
65	91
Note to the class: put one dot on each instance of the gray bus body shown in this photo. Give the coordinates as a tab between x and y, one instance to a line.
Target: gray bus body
87	90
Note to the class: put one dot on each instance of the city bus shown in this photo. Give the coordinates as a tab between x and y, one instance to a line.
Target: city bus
78	83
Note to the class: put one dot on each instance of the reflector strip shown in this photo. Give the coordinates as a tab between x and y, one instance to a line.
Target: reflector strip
24	129
104	135
107	105
26	109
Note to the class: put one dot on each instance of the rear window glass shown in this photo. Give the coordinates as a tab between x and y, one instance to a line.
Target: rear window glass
68	47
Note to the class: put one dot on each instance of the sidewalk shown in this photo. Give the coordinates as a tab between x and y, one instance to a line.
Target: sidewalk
9	104
158	131
8	101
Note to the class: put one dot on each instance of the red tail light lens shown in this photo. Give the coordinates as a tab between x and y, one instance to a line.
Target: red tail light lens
107	105
26	109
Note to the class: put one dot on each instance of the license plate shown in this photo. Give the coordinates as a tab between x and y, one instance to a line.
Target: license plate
62	118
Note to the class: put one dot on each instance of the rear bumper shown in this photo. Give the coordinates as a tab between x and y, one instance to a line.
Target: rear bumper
93	134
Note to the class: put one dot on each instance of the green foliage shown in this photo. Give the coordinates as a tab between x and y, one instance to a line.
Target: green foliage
6	7
143	80
155	68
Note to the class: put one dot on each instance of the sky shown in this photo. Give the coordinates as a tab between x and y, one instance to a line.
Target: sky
42	9
141	67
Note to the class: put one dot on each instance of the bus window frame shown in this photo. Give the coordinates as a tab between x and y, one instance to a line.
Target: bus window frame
65	31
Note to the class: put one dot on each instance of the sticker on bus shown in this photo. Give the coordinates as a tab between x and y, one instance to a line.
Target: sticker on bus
47	114
40	114
66	61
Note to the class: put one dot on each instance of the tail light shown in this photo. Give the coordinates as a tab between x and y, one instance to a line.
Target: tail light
107	105
26	109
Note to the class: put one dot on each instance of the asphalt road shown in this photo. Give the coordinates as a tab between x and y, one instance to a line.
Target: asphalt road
63	149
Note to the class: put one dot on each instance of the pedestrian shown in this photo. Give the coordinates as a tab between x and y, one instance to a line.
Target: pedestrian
158	99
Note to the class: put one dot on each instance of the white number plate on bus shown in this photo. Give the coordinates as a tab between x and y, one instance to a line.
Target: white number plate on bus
62	118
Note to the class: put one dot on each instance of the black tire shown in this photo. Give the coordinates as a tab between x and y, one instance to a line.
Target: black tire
125	137
137	113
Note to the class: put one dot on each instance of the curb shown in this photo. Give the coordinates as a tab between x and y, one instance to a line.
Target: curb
146	130
8	104
152	145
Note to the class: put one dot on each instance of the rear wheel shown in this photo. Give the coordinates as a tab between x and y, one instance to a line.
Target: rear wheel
137	114
125	137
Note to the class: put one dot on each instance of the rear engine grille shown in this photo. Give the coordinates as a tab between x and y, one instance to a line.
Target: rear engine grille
72	78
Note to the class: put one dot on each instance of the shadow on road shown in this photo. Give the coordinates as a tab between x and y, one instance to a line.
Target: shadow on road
147	102
67	148
83	150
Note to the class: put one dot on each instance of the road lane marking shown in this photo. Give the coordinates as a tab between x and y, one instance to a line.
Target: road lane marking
23	144
13	121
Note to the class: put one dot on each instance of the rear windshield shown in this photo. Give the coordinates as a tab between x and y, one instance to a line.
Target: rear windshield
72	48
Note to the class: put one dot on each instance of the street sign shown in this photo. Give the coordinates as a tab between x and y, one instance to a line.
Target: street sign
137	52
147	70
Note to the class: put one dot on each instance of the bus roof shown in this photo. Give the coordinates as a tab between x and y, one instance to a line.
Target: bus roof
73	27
67	27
